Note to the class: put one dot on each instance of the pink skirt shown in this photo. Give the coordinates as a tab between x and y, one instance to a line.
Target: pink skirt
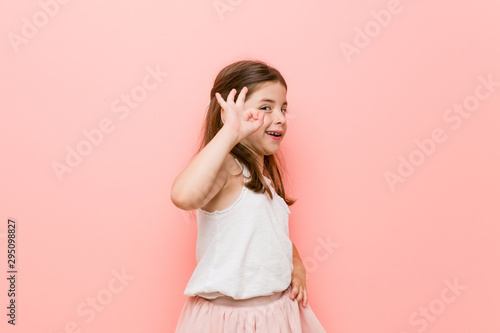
275	313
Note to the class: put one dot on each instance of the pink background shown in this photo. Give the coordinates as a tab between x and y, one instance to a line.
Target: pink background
395	250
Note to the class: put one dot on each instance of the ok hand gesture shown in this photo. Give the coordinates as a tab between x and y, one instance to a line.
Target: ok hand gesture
236	118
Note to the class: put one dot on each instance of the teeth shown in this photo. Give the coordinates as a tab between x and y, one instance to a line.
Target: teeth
273	133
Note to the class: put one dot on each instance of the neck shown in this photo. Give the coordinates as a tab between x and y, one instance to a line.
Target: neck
259	158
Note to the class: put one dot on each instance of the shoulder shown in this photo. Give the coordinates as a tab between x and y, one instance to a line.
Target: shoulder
228	171
232	166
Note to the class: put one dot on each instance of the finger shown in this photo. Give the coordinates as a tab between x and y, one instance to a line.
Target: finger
295	290
258	116
304	303
259	120
219	98
300	296
230	97
241	96
252	114
249	114
258	123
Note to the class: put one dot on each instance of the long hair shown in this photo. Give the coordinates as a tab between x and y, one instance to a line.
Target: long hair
249	73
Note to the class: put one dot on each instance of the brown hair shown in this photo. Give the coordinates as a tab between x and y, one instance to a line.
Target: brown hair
250	74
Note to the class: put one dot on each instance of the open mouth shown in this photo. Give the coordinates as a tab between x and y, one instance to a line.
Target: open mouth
274	135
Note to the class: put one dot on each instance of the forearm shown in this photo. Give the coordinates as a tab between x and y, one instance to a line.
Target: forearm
296	257
193	184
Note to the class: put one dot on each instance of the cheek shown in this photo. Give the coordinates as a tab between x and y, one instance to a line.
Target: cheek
267	121
265	126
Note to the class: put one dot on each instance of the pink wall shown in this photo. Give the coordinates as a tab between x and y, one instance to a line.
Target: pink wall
392	151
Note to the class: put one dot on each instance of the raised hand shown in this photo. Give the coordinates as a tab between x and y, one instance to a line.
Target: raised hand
242	121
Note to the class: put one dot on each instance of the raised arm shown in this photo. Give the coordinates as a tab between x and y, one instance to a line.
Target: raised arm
202	179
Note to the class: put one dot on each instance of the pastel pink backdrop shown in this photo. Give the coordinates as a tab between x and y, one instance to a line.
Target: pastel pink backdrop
392	253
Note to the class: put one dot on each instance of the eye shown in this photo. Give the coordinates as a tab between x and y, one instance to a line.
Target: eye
269	109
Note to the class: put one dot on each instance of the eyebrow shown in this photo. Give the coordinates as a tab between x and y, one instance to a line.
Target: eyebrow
271	101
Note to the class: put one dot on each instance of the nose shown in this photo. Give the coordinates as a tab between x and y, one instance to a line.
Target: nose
278	115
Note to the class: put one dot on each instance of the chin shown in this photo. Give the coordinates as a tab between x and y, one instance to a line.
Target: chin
272	151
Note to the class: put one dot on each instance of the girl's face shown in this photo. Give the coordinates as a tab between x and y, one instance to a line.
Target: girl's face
269	98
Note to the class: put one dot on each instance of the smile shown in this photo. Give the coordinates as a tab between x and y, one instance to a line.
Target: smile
273	136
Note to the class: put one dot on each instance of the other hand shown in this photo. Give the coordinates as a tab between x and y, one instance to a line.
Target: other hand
298	283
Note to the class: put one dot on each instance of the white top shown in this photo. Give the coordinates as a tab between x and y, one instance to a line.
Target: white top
244	250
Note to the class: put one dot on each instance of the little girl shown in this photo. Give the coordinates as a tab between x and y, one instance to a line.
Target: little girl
249	276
